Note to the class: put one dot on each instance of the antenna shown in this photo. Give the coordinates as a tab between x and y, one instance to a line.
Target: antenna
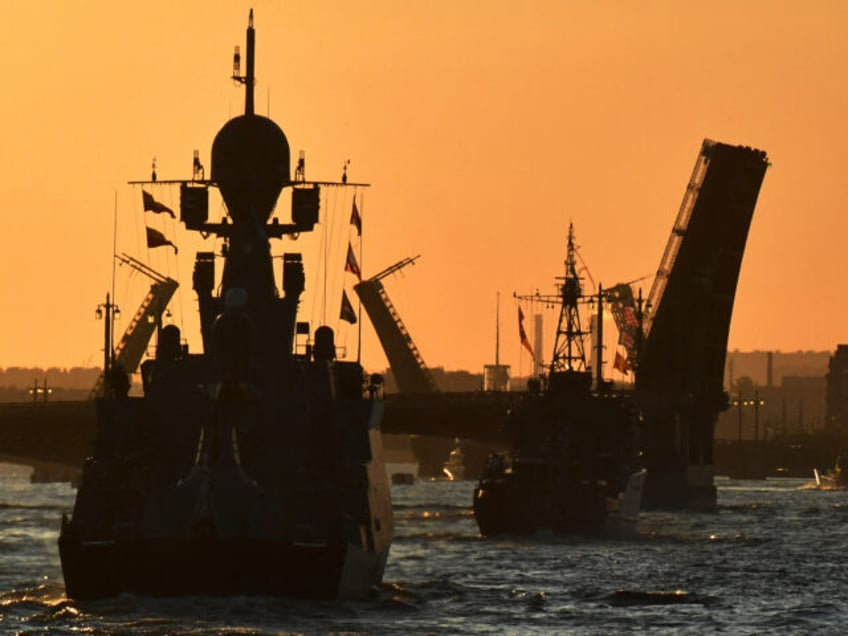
237	64
498	330
197	170
300	171
248	78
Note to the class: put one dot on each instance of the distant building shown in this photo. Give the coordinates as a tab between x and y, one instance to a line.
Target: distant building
496	377
837	390
763	366
448	381
804	398
775	393
795	406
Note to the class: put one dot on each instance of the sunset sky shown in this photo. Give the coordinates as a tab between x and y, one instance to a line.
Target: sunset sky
484	128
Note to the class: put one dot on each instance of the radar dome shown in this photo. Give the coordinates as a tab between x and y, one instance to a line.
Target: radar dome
251	164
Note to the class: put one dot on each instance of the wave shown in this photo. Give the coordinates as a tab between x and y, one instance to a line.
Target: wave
653	597
444	535
441	505
432	515
23	506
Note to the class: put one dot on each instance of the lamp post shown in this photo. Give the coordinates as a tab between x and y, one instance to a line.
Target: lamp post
40	392
738	404
756	403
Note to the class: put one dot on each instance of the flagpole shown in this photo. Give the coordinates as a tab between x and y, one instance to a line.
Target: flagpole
114	240
324	300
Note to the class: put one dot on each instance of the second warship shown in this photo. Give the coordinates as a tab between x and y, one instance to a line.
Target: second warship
254	467
574	466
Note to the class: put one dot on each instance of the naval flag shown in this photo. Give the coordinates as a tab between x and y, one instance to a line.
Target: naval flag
152	205
351	265
523	335
355	219
347	313
155	238
621	363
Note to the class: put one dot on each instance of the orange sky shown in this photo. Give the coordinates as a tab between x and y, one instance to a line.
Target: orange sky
483	127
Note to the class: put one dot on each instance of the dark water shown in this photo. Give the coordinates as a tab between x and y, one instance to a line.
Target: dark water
772	560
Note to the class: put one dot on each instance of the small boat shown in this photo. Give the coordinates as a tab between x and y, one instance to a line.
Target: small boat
834	479
255	467
574	466
454	468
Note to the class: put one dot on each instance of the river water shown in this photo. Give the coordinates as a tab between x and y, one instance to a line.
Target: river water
772	559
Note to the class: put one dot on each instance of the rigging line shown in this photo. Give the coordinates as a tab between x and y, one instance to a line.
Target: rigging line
343	222
218	242
330	274
338	275
179	296
585	266
326	268
637	280
318	266
172	224
130	283
360	209
114	245
137	218
327	236
181	301
114	250
328	241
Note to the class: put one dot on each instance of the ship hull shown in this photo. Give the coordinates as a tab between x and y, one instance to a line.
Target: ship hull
505	507
315	530
574	467
218	567
500	509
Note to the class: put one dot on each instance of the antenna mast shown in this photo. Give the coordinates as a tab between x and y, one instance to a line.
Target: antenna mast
569	352
498	330
248	79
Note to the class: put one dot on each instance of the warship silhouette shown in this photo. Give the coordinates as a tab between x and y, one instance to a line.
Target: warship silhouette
254	467
574	463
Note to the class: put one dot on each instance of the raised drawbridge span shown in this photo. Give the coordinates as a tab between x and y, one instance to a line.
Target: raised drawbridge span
411	374
680	377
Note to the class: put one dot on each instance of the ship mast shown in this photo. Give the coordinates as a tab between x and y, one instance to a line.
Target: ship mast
569	353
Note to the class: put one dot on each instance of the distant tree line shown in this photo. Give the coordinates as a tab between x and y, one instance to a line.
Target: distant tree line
458	381
64	384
